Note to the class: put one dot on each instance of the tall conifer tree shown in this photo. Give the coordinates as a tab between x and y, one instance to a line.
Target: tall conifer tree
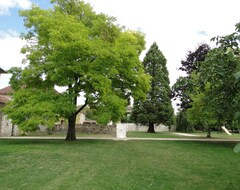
157	107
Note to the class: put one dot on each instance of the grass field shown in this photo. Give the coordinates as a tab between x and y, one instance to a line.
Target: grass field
215	135
103	165
141	134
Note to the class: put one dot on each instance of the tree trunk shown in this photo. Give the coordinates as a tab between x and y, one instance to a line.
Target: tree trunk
151	128
209	133
71	135
12	132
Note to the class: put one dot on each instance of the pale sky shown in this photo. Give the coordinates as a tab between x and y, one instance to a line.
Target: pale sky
176	26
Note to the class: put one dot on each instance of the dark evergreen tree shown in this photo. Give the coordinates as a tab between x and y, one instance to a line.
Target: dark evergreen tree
157	107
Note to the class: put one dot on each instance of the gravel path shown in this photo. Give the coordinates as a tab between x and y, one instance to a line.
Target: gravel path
130	139
186	134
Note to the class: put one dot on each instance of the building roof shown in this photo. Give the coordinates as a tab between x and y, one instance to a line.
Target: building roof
6	91
2	71
3	99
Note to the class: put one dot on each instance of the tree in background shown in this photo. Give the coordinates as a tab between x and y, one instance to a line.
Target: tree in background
73	47
201	115
215	101
186	86
218	79
157	107
182	123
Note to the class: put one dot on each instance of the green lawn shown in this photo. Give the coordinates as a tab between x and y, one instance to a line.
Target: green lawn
64	134
215	135
104	165
141	134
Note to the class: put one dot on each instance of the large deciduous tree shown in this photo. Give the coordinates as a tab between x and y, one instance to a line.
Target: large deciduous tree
71	46
217	102
218	79
157	107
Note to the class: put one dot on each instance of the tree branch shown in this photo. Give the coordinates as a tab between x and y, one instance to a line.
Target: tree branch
82	107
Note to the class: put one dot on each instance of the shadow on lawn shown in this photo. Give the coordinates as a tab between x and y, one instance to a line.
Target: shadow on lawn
90	142
215	144
46	142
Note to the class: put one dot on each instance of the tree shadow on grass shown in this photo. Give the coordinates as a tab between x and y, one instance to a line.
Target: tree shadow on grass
215	144
47	142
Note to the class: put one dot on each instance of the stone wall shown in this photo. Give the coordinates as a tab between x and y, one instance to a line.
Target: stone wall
111	129
96	129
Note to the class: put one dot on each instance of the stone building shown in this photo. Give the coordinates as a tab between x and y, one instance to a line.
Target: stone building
6	126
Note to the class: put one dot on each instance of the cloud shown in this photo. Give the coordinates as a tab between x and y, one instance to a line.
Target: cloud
8	34
204	33
10	46
6	5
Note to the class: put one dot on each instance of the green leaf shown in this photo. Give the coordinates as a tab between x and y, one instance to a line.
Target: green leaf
237	75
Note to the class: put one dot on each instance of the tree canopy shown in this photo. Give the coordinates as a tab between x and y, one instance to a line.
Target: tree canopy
71	46
219	74
215	96
185	84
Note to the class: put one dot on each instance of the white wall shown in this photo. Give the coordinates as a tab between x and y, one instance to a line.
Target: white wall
134	127
122	129
7	128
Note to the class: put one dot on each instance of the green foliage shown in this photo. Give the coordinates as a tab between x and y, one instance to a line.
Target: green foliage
218	82
217	101
157	107
185	86
201	114
112	109
186	89
32	107
182	123
71	46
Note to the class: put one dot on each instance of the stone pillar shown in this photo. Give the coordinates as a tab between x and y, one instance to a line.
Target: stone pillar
121	131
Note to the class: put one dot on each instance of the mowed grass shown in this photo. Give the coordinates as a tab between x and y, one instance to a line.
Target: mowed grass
123	165
200	135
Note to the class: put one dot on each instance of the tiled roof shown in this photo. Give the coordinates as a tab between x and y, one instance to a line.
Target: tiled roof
6	91
2	71
3	99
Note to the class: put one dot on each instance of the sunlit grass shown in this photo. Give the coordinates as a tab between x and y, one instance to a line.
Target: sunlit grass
196	135
64	133
142	134
101	165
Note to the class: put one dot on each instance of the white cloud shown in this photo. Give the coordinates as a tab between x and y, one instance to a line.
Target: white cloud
6	5
8	34
174	24
10	46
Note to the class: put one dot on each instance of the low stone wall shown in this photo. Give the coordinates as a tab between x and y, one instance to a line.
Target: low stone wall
111	129
96	129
